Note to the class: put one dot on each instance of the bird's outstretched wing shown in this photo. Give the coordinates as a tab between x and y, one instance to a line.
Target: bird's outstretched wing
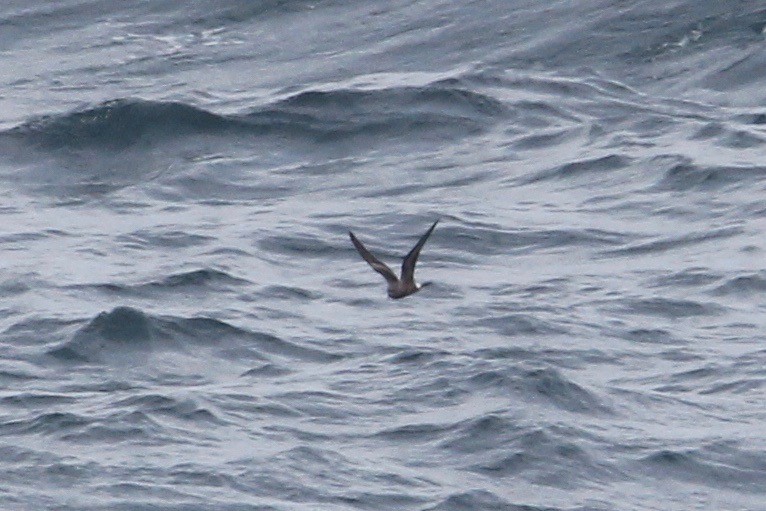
373	261
408	265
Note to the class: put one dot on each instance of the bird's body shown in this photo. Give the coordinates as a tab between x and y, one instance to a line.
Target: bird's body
398	287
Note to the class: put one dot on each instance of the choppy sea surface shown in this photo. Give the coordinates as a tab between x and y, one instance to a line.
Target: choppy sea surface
185	325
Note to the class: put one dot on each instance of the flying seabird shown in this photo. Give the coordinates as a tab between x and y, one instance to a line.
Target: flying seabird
397	287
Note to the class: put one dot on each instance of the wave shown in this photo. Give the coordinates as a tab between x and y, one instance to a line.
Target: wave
299	245
650	46
128	336
547	387
88	428
46	423
486	239
123	329
481	434
197	278
288	293
481	499
549	456
319	116
671	309
368	111
169	406
516	324
672	242
592	167
564	393
744	285
37	399
687	176
184	283
690	277
119	124
722	465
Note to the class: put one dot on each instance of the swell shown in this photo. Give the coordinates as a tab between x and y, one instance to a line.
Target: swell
118	124
184	283
488	239
746	285
717	465
687	176
438	109
673	242
129	336
139	418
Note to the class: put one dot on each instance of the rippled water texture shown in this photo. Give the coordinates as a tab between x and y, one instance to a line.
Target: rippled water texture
186	325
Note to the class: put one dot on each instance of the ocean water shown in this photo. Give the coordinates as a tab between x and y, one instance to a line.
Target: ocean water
185	325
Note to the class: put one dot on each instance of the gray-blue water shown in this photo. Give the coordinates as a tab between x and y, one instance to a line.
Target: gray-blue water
185	325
